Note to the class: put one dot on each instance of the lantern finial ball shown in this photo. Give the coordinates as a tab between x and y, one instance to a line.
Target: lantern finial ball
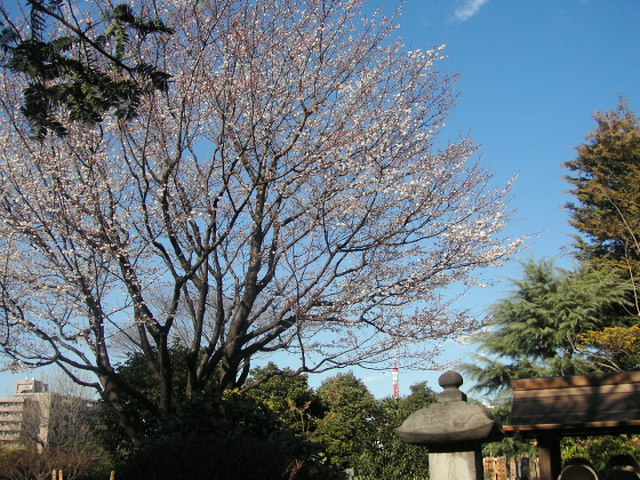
450	379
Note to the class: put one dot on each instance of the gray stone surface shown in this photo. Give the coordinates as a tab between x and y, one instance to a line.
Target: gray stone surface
451	421
453	466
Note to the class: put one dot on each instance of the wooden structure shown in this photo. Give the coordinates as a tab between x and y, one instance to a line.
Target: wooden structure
549	408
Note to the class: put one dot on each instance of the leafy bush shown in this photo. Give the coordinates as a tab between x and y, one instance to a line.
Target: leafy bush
234	436
599	449
220	457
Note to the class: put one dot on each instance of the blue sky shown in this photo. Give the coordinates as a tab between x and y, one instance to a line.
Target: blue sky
531	75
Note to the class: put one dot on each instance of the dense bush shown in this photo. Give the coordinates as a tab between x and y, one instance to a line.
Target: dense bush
220	458
231	437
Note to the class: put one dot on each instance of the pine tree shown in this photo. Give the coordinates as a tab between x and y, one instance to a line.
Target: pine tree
606	180
536	330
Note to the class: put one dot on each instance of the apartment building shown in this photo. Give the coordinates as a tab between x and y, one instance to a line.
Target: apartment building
33	414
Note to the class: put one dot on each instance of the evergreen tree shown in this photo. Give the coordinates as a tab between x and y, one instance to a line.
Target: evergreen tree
288	394
539	329
347	426
535	331
386	456
217	436
606	184
77	64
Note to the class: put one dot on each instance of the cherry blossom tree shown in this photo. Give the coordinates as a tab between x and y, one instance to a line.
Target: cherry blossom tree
288	192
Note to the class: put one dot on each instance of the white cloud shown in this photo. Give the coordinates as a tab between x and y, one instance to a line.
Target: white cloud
468	9
375	378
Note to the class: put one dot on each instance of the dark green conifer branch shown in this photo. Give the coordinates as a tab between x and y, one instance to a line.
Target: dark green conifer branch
62	77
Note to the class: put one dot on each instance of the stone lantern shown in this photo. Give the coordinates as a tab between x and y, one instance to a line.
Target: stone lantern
453	431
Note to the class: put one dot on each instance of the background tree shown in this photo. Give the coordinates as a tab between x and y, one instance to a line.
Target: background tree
606	181
289	396
285	410
571	322
385	456
135	370
286	193
347	426
536	330
214	434
539	330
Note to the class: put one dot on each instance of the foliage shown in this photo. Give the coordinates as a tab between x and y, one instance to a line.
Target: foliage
347	426
606	181
385	456
542	328
245	435
289	396
509	447
78	68
233	437
219	458
135	370
615	349
230	436
535	331
206	429
340	426
600	449
285	193
573	322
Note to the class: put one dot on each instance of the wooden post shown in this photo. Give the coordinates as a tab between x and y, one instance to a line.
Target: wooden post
549	457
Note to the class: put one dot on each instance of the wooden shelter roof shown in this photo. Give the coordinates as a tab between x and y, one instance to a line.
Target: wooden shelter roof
576	405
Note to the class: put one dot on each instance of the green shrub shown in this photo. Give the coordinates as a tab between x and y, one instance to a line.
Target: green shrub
212	457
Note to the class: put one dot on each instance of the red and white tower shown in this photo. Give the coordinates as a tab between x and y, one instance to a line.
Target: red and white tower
396	375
